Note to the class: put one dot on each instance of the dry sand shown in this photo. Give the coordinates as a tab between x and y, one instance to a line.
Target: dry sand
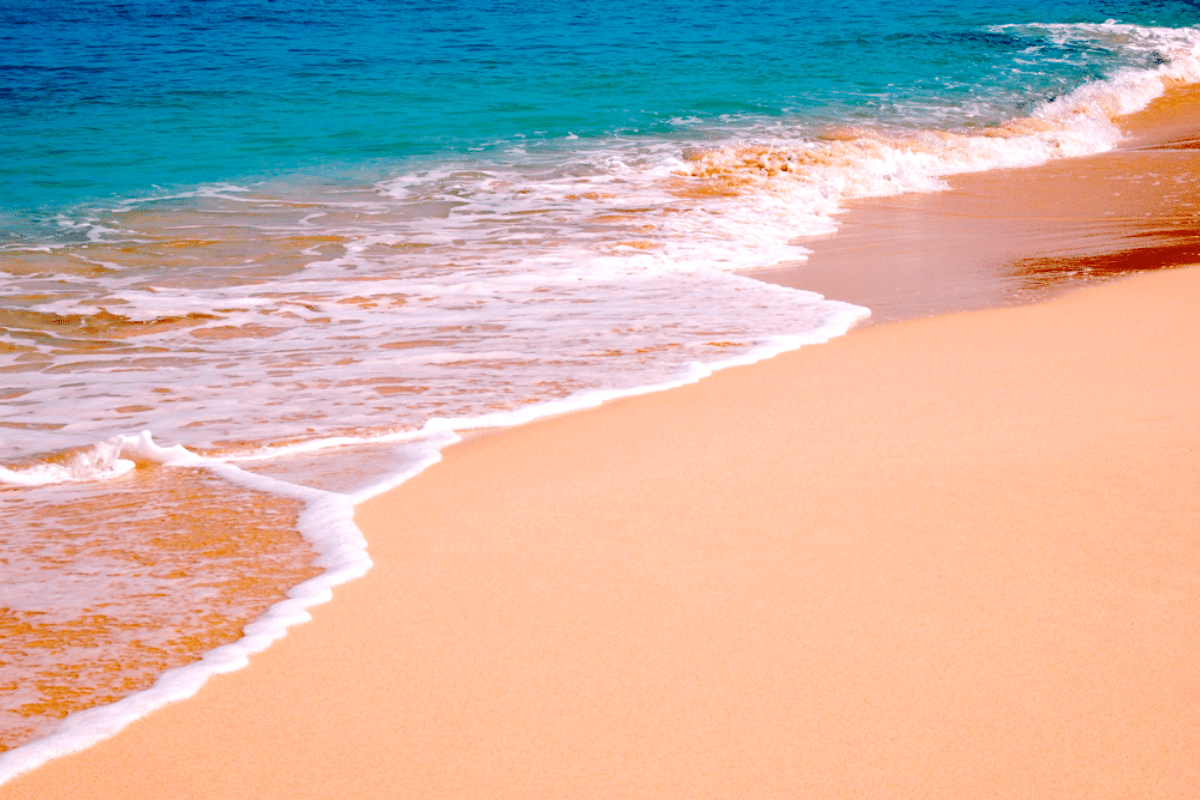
951	557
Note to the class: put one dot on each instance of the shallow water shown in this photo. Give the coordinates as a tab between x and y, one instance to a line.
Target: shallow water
144	575
287	236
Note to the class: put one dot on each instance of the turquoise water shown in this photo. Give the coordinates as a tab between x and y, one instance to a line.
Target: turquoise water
103	99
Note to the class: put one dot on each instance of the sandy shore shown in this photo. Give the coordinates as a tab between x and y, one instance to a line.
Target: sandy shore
1012	236
950	557
955	557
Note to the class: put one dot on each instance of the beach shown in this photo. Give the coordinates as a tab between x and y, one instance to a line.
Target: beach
487	401
949	556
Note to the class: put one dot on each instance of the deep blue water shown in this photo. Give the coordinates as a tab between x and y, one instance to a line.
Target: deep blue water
104	99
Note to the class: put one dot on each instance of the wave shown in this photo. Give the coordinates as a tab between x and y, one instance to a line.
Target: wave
327	523
788	182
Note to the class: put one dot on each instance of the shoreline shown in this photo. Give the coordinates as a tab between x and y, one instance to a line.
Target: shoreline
384	530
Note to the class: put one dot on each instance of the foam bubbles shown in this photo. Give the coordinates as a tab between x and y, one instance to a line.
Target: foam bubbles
96	462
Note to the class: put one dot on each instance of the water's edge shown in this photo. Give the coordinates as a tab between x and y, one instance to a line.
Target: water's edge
327	522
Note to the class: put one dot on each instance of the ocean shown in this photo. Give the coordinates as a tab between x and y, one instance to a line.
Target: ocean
260	261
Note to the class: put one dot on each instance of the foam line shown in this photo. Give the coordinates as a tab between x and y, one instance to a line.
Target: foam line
327	522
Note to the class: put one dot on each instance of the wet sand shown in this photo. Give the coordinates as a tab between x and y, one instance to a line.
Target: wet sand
1014	236
950	557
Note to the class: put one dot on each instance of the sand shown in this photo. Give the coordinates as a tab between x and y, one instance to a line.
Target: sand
956	557
950	557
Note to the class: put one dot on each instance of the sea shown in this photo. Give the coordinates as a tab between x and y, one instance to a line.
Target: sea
261	260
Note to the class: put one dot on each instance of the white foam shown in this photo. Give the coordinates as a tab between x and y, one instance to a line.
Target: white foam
100	461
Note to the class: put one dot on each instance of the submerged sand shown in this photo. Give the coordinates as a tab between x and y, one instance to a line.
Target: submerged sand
950	557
